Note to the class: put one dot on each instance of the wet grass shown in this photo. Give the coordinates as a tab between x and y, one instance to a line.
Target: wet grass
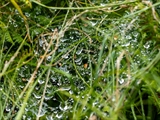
89	61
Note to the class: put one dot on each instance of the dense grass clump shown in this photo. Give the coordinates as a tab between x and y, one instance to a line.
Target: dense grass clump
79	60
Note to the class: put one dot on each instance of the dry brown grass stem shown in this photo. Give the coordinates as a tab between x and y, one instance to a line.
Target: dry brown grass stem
119	59
38	64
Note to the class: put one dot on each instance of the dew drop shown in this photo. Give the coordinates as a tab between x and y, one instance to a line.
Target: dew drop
40	81
49	117
135	34
49	58
37	96
121	81
27	14
146	46
66	56
24	117
65	88
59	116
128	37
63	40
79	51
14	24
93	23
127	44
113	99
78	60
8	108
102	4
70	92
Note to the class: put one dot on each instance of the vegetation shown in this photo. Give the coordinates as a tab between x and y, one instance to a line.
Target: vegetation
79	60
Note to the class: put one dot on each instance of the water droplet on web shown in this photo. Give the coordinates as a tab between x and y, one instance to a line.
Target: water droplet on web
42	113
16	11
10	21
49	58
24	117
82	87
37	96
93	23
128	37
40	81
138	82
49	117
47	97
59	83
113	99
41	42
127	44
8	108
102	4
63	40
27	14
71	37
134	40
65	88
147	45
64	68
66	56
95	103
14	24
79	51
78	60
70	92
36	52
121	81
21	74
64	107
135	34
59	116
21	86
